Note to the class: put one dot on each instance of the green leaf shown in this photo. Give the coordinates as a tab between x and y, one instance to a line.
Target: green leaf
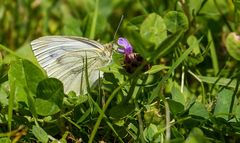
40	134
76	100
140	45
135	22
122	110
24	75
237	111
211	9
175	21
177	95
5	140
175	107
198	109
3	95
196	136
166	46
223	104
153	29
153	116
218	81
49	97
237	4
156	68
156	91
194	6
132	131
233	45
150	132
196	57
193	41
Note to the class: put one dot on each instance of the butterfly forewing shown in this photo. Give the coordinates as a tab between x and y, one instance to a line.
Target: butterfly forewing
63	58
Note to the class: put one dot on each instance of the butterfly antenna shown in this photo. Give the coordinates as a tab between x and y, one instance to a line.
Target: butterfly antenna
120	22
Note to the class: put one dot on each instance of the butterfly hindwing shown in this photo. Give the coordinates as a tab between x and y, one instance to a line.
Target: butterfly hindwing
63	58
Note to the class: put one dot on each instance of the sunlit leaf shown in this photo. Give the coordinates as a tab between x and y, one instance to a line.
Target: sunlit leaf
233	45
150	133
196	136
156	68
153	29
176	21
40	134
5	140
25	76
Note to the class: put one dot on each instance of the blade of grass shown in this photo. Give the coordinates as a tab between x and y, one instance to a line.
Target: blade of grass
203	89
158	90
170	71
167	45
218	81
233	101
213	53
94	21
10	105
114	93
10	51
100	111
93	103
140	123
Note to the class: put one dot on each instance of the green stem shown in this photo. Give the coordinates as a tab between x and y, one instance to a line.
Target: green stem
202	85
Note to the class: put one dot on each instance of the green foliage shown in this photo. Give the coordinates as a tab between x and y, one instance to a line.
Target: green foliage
49	97
24	76
153	29
185	87
5	140
40	134
233	45
223	104
121	111
176	21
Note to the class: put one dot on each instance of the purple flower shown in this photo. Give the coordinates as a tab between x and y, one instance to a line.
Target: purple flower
131	60
127	46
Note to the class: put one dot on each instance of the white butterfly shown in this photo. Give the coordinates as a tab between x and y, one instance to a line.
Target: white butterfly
63	58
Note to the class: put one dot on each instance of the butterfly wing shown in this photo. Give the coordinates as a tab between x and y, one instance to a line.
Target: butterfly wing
63	58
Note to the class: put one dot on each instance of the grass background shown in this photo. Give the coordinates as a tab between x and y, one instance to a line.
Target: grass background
187	93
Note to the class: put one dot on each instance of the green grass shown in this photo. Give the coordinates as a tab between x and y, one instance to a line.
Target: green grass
185	89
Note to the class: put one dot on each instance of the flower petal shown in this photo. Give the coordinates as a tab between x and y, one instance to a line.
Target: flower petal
120	50
124	42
